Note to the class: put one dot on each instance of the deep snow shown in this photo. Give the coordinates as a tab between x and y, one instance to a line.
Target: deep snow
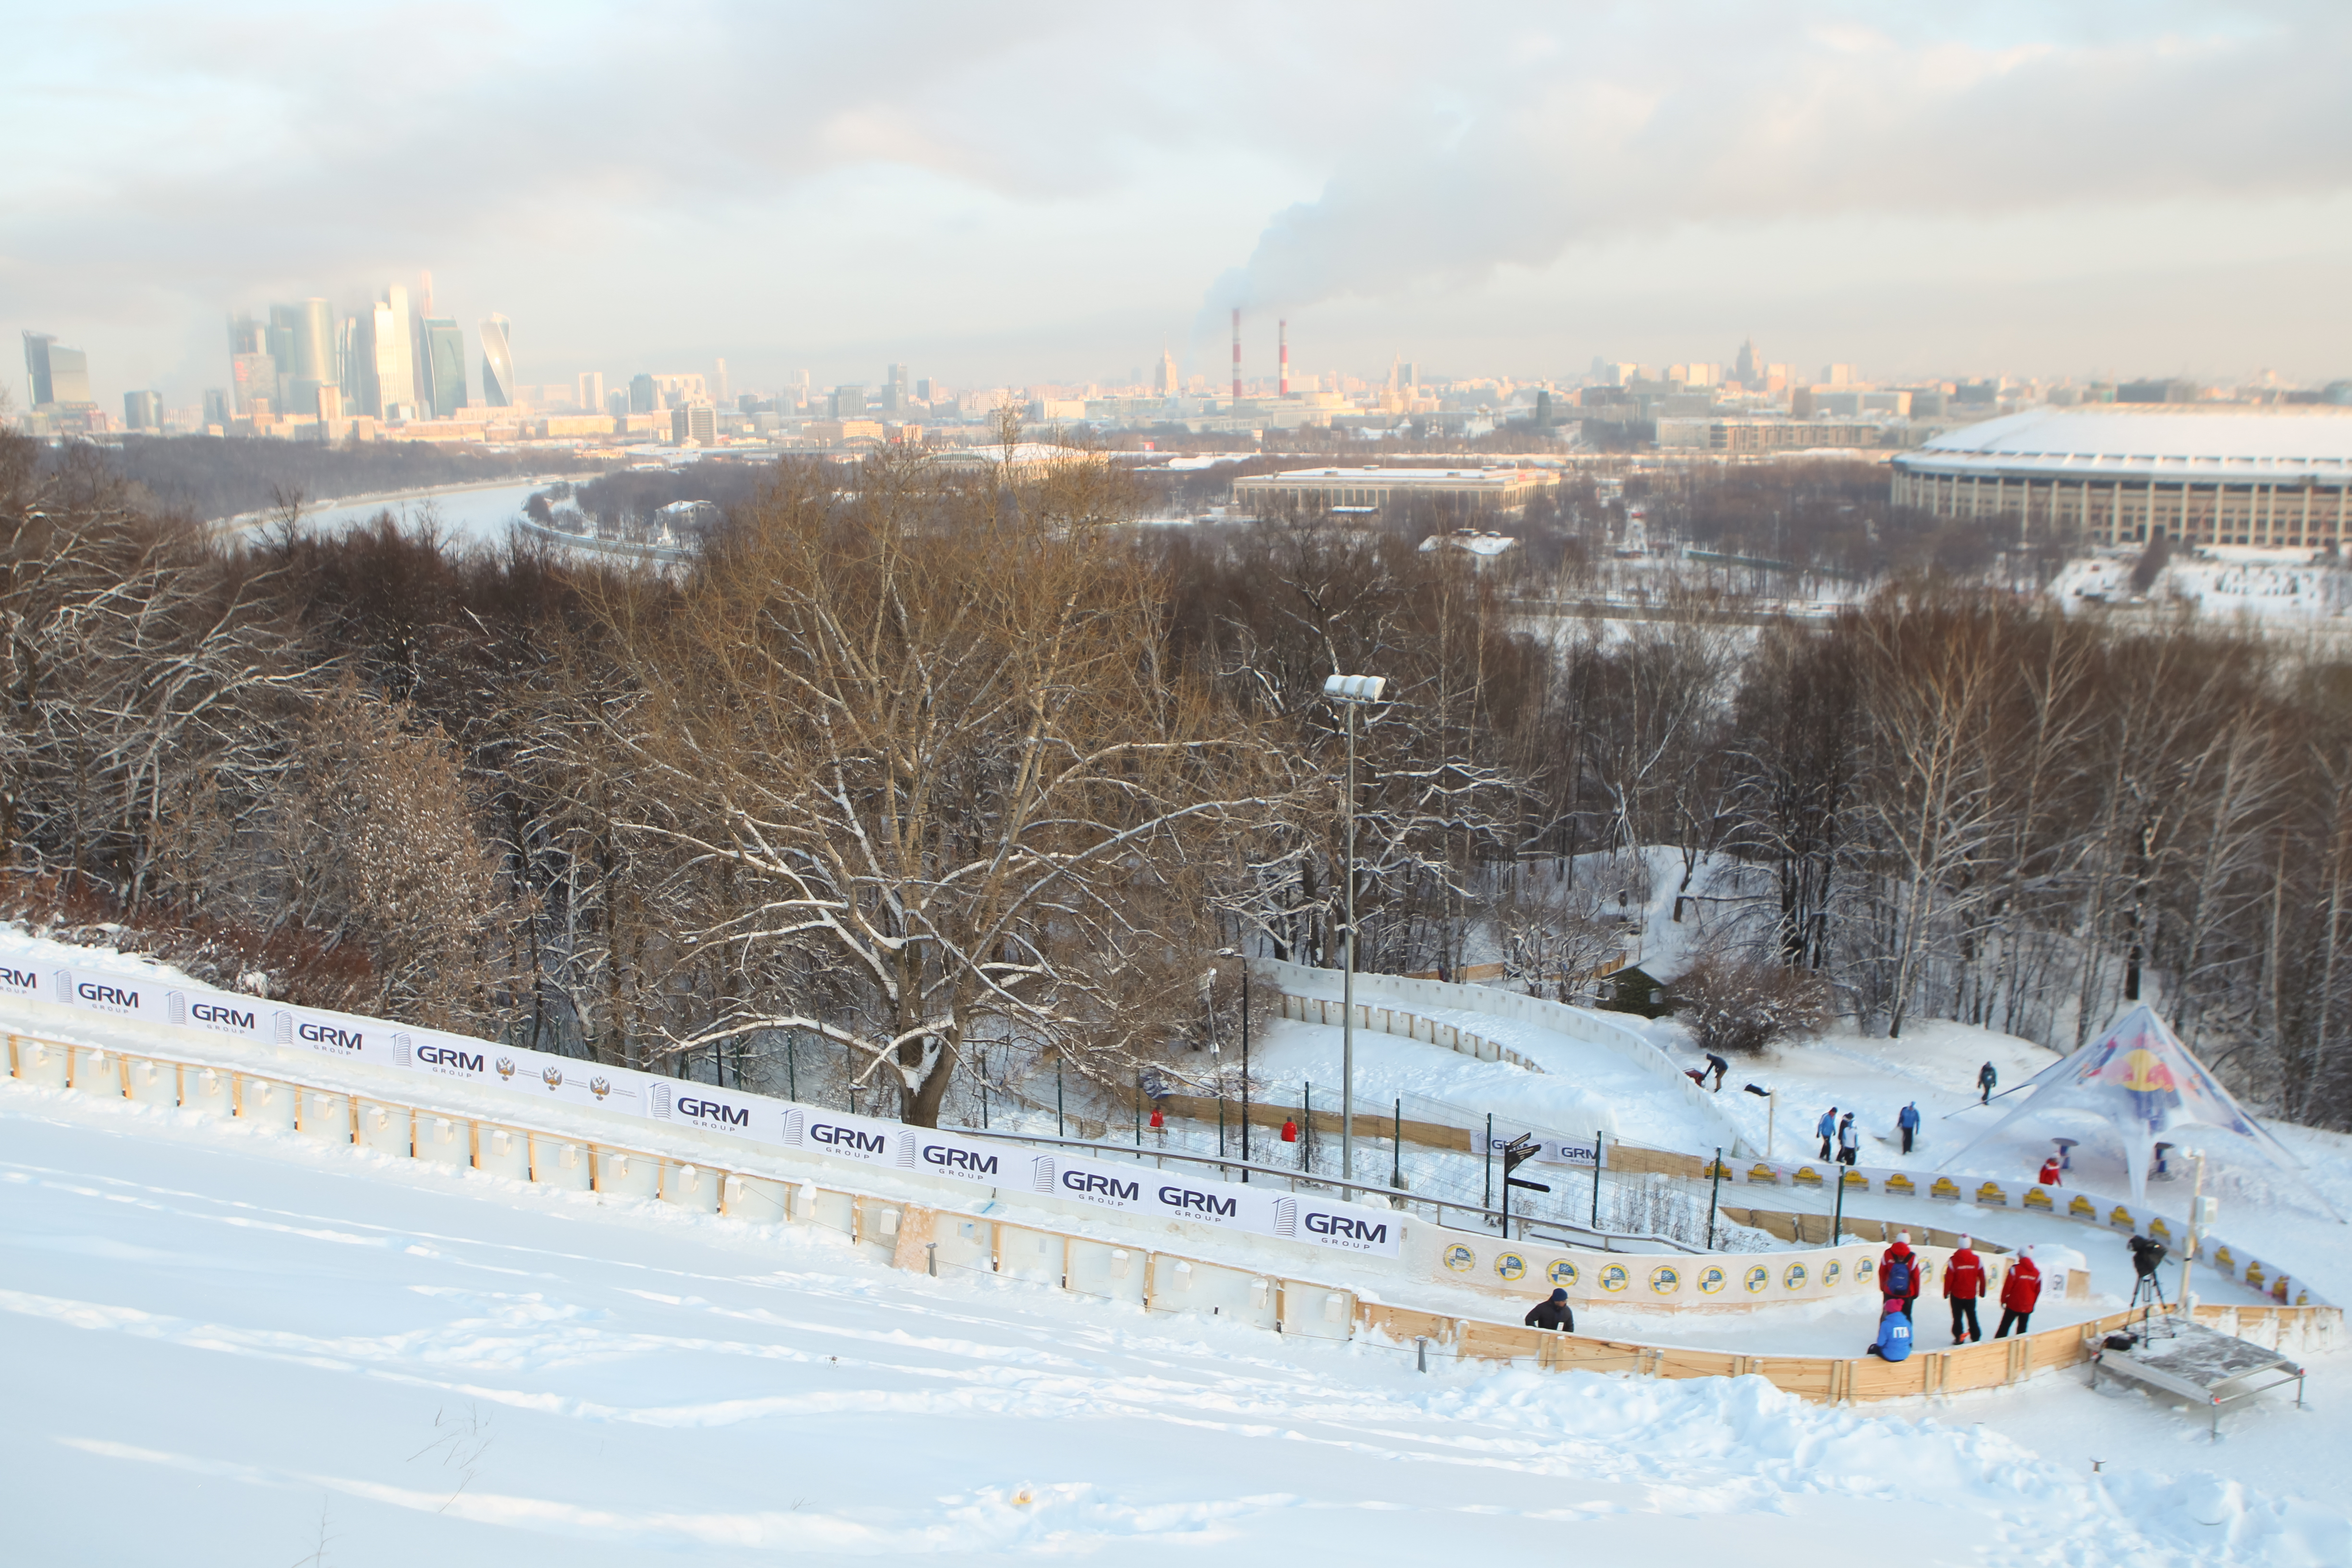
223	1344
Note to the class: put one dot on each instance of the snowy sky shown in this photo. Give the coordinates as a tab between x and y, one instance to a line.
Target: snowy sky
1048	190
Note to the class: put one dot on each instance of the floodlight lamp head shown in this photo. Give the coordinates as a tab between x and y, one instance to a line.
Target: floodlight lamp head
1354	688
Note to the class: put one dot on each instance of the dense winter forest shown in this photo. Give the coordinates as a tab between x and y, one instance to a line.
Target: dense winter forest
914	763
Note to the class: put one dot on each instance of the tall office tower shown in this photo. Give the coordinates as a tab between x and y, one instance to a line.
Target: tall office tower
590	392
444	365
280	343
310	362
347	361
643	399
217	406
718	383
36	367
923	390
386	358
143	411
1165	381
616	402
69	377
848	402
1749	369
498	363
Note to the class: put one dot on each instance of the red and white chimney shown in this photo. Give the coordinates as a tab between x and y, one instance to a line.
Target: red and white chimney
1238	353
1282	338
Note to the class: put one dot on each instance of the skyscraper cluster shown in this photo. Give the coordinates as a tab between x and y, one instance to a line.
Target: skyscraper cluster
392	359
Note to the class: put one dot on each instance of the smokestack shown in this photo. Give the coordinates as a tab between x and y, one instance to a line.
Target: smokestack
1238	353
1282	340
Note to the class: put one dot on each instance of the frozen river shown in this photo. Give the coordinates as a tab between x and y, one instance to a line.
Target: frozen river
480	513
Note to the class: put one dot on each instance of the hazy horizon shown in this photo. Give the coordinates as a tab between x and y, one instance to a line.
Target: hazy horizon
1051	192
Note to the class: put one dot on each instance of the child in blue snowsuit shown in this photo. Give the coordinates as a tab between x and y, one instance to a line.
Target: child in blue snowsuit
1894	1342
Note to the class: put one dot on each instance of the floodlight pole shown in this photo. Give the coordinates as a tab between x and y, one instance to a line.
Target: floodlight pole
2189	1253
1349	691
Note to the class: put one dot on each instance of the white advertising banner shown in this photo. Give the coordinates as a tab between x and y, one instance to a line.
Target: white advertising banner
1131	1188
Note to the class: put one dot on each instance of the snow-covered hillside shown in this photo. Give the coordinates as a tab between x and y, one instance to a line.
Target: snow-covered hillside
222	1345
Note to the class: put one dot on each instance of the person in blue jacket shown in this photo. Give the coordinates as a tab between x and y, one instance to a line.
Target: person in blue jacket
1827	1130
1894	1342
1908	1121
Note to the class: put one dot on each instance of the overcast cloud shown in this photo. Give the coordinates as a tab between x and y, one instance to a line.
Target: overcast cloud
1046	191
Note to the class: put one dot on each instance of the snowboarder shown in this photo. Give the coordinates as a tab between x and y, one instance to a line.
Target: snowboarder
2018	1293
1552	1314
1908	1122
1718	1067
1985	1078
1964	1281
1849	1140
1894	1342
2049	1176
1827	1128
1899	1271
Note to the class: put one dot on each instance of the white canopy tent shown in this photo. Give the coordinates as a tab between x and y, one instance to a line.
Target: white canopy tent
2144	1083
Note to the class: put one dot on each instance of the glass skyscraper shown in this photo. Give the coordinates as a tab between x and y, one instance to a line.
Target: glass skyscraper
444	365
498	363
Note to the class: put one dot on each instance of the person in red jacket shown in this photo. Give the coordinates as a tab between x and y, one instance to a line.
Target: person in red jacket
1964	1281
2049	1176
2018	1293
1898	1272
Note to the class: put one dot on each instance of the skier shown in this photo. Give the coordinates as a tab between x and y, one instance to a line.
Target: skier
1899	1271
1718	1067
1849	1140
1985	1078
1553	1314
1827	1128
1964	1281
2019	1292
1908	1121
1894	1342
2049	1176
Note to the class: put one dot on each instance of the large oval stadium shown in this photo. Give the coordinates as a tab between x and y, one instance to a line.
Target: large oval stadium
2263	477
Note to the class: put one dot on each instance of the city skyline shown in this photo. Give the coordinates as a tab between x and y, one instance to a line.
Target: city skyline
2122	190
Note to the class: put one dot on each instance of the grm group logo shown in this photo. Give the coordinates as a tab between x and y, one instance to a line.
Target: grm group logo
451	1060
222	1017
329	1036
1194	1204
106	997
957	1162
19	980
1095	1187
847	1141
1344	1230
713	1113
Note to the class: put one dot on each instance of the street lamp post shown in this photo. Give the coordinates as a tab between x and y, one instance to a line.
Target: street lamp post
1351	691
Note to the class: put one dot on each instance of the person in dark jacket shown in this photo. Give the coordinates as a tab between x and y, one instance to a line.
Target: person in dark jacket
1827	1127
1907	1120
1553	1314
1849	1140
1964	1281
1985	1078
2019	1294
1716	1065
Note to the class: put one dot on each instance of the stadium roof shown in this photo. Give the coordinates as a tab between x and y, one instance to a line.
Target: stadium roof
2165	443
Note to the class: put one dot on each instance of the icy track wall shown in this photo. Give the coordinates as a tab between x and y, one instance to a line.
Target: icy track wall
26	974
1586	1028
1457	1259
